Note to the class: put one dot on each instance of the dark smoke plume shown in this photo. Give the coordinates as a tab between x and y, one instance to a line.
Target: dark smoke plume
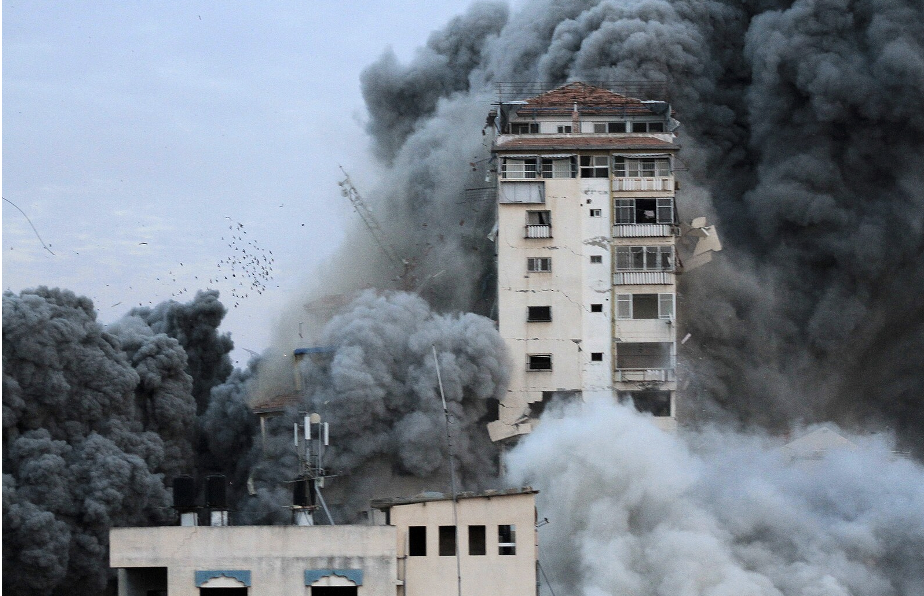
801	134
94	421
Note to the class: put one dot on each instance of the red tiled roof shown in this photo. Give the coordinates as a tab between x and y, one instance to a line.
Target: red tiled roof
588	99
558	142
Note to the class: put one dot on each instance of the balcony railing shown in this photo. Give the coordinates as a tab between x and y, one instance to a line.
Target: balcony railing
642	230
539	231
643	183
622	278
625	375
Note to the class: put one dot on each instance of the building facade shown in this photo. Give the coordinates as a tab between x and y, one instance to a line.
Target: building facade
410	548
586	252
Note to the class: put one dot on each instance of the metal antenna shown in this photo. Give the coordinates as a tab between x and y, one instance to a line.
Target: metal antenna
452	472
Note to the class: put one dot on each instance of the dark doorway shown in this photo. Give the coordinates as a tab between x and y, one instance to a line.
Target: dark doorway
333	591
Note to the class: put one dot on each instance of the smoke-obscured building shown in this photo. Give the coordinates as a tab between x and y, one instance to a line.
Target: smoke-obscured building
412	548
586	255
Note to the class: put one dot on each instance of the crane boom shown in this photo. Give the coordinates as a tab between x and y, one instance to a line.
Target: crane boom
350	192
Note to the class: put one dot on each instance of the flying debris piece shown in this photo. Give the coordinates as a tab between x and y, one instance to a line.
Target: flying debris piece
142	244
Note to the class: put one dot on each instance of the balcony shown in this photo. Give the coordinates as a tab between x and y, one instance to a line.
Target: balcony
665	183
539	231
642	230
627	375
623	278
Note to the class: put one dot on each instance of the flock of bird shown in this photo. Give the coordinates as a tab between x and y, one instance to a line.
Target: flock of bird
248	268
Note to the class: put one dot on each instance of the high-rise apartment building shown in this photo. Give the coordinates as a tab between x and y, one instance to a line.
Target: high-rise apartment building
586	255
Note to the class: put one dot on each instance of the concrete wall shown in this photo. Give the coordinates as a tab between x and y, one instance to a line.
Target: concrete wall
490	574
276	556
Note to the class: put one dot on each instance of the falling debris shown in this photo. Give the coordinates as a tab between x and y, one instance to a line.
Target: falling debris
45	246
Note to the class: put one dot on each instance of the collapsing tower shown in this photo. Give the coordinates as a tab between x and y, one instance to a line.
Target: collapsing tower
586	250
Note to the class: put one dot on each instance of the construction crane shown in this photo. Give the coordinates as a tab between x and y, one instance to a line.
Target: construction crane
404	266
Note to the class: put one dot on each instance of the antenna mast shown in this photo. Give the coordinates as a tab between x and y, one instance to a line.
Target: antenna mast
452	472
311	437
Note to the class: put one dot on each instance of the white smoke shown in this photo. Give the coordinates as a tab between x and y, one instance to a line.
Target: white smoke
633	510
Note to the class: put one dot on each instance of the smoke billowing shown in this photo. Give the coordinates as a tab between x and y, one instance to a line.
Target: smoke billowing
635	511
801	139
94	421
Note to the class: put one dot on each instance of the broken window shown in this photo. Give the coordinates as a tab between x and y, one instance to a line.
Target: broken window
507	539
538	314
644	211
417	541
627	167
596	212
524	128
519	167
644	258
648	355
538	362
657	403
558	167
476	540
645	306
594	166
596	356
539	218
539	264
648	126
447	541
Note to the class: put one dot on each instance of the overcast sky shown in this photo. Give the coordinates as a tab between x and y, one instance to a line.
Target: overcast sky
136	133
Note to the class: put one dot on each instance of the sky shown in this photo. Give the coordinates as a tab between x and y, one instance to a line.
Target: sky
142	138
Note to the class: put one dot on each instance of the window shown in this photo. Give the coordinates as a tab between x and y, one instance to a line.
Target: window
539	362
596	212
594	166
558	167
507	540
596	356
649	355
519	167
564	128
539	264
644	211
609	127
645	306
657	403
447	541
476	540
522	191
644	258
538	224
417	541
596	259
648	127
628	167
524	128
596	308
538	314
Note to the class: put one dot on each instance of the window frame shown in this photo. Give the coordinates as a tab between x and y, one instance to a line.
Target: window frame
645	258
417	541
625	308
448	541
538	261
530	362
507	539
594	166
625	166
473	541
534	314
625	211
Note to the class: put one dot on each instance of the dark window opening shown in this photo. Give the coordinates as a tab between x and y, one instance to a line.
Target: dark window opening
564	128
649	355
615	127
596	308
644	306
334	591
539	218
507	539
644	211
523	128
539	362
595	166
417	541
596	258
538	314
476	540
657	403
447	541
223	591
596	356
